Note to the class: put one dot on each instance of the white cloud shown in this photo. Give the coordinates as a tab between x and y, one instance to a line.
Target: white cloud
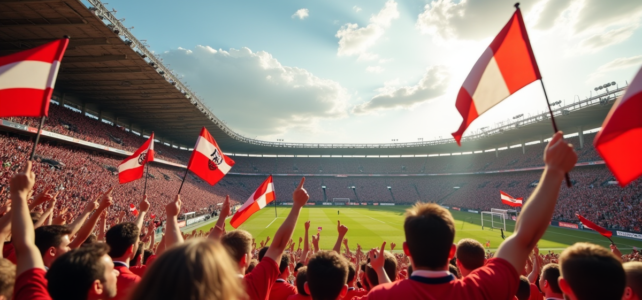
356	8
254	93
355	40
604	39
374	69
431	86
301	13
616	64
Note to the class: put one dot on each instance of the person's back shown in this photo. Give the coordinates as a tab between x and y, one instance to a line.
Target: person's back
197	269
633	290
590	272
430	231
122	240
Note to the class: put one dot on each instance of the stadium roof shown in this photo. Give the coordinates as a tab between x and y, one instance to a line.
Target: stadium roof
106	71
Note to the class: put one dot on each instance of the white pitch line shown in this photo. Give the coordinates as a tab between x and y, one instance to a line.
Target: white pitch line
377	220
271	222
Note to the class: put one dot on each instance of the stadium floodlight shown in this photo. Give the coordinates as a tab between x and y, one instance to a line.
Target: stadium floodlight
518	116
613	83
389	187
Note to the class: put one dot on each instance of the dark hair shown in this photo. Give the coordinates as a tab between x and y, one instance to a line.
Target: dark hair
146	255
592	272
454	270
327	275
90	239
550	273
301	278
262	252
50	236
285	261
253	263
72	274
139	251
238	243
429	252
7	277
121	237
470	254
298	266
524	289
351	272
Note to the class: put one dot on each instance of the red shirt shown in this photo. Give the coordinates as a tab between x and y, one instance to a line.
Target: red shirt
355	292
259	282
535	294
299	297
9	252
140	270
126	281
497	280
281	290
31	285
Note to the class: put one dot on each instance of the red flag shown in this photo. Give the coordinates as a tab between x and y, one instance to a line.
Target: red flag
604	232
506	66
133	210
208	161
152	216
619	141
133	167
509	200
259	199
27	79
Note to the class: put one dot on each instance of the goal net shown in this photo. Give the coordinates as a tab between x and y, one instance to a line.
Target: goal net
341	200
508	213
493	220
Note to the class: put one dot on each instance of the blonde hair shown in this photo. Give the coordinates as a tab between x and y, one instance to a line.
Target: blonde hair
199	269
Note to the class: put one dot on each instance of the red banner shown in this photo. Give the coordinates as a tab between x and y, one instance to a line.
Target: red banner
568	225
457	208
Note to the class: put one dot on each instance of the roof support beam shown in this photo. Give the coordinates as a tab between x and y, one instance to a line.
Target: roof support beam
27	1
44	25
72	42
103	58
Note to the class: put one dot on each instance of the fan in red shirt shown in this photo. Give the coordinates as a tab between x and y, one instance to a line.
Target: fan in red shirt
327	276
259	282
470	256
281	289
548	282
353	291
498	279
86	273
301	279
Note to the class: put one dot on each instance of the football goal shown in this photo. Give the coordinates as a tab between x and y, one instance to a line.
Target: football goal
341	200
493	220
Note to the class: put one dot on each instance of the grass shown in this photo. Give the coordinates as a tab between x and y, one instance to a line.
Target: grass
370	226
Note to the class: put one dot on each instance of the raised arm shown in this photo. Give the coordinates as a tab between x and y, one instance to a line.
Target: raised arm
144	207
284	233
173	234
537	267
86	229
5	229
377	261
306	243
76	224
559	158
28	255
46	215
342	229
41	198
219	229
101	226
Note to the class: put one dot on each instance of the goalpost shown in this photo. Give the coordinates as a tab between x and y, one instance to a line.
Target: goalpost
338	201
508	213
493	219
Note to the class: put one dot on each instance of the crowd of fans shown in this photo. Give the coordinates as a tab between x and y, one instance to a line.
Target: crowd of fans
86	256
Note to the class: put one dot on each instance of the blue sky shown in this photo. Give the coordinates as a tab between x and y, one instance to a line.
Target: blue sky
373	71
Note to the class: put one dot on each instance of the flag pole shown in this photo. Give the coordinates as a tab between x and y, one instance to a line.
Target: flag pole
550	111
184	177
146	175
35	143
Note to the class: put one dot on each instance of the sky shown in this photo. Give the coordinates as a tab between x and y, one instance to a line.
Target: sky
376	71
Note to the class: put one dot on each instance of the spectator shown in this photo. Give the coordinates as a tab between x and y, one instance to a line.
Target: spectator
281	289
633	290
7	278
470	256
301	279
327	276
122	240
548	282
52	242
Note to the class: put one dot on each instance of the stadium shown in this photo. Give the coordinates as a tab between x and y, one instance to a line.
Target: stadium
112	92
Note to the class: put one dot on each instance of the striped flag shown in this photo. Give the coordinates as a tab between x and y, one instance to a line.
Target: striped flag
603	231
133	167
133	210
620	140
509	200
208	161
506	66
27	79
259	199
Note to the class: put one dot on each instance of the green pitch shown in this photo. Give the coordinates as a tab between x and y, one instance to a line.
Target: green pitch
370	226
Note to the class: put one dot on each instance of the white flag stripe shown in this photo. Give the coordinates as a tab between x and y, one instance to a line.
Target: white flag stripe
262	200
491	89
26	74
206	148
130	164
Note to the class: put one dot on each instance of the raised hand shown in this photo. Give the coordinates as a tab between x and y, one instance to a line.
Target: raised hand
300	195
144	204
392	246
307	225
91	206
559	155
22	182
106	200
225	208
174	208
377	261
341	228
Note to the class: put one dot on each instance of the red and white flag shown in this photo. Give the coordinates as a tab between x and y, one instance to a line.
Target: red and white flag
208	161
259	199
27	79
506	66
509	200
133	167
133	210
619	141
